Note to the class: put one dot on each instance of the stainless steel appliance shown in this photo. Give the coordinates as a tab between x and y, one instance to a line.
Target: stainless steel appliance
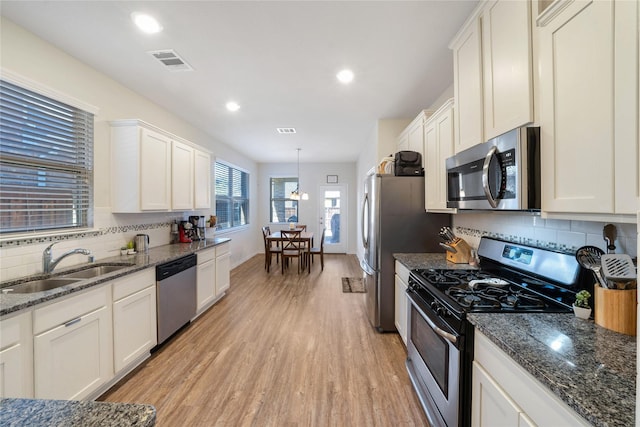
502	173
141	242
512	278
176	295
393	220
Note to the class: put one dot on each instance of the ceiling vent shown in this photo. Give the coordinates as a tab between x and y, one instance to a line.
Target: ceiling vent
286	130
170	59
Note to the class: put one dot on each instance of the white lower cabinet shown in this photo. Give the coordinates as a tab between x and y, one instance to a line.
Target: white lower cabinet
16	356
206	273
72	343
223	268
401	303
134	318
504	394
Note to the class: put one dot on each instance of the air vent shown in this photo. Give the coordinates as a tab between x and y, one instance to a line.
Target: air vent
170	59
286	130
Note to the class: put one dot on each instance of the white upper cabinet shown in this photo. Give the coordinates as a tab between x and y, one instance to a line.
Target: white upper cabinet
589	107
493	73
507	66
439	141
153	170
202	180
467	86
182	176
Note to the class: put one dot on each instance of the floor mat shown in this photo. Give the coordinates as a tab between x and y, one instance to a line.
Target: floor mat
352	284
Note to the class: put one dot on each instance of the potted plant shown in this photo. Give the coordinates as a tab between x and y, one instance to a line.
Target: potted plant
581	306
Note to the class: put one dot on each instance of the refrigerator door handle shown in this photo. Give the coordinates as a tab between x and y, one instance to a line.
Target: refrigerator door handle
365	267
364	224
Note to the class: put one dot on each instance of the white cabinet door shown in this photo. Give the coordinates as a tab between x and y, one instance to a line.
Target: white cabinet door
577	109
401	308
134	327
223	273
181	176
75	358
491	406
16	357
439	144
416	137
202	180
467	81
507	66
206	282
155	171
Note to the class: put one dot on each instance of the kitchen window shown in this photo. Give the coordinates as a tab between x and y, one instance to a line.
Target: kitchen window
232	196
46	162
283	208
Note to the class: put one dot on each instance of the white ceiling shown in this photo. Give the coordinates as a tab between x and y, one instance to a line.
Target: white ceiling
278	60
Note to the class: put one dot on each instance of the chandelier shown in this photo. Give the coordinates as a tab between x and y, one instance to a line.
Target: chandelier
297	194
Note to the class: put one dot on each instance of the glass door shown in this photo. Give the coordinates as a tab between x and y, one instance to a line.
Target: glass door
333	216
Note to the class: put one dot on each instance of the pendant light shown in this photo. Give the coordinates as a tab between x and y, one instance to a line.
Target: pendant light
297	194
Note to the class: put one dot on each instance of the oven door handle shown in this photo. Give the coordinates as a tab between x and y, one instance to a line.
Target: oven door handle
444	334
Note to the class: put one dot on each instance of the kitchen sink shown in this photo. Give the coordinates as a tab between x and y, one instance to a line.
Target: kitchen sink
37	286
95	271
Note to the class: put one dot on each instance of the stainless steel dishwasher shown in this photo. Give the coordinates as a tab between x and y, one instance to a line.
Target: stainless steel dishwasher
176	295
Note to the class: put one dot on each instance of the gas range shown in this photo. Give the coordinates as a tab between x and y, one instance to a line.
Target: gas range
512	278
489	290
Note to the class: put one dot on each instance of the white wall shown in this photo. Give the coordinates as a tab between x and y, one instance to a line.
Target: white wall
36	60
312	176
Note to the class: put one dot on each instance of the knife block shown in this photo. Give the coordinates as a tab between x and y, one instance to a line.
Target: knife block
462	254
615	309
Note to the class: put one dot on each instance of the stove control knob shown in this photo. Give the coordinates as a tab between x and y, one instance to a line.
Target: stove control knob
434	305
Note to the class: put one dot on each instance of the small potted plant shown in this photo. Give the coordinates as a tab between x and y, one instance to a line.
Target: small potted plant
581	306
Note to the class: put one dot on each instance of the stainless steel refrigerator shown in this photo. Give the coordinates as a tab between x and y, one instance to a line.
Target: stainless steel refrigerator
393	221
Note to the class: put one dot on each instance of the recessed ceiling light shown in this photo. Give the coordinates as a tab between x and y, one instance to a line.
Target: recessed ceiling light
345	76
233	106
146	23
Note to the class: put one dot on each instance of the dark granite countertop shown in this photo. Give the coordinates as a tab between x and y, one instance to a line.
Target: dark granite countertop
590	368
429	260
10	303
72	413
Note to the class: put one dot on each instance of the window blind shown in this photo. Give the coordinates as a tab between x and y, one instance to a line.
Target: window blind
232	196
46	162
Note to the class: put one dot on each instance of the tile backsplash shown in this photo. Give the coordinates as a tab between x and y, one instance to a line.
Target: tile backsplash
531	229
23	256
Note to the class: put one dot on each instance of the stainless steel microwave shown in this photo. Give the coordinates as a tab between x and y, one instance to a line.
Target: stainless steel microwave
500	174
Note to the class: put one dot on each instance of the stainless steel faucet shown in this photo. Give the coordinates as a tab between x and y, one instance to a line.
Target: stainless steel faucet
48	263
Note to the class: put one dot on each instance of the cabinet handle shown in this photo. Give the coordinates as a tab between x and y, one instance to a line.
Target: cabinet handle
72	322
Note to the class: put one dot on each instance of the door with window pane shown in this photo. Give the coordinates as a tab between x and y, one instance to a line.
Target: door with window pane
332	215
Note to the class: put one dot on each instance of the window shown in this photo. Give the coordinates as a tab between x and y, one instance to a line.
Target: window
46	162
232	196
283	208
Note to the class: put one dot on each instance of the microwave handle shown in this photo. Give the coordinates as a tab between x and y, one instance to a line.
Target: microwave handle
485	177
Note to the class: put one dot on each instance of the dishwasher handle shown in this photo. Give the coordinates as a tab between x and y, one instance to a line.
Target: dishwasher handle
171	268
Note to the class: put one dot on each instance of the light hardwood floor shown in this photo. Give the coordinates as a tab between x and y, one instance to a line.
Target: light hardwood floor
279	350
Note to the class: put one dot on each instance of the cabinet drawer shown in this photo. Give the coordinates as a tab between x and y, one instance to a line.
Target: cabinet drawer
206	255
12	328
128	285
222	249
70	308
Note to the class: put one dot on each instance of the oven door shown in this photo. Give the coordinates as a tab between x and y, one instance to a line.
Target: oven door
434	363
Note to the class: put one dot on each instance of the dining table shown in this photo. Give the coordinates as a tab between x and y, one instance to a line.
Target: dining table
305	236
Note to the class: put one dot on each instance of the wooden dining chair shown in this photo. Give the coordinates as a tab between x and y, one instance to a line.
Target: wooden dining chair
318	251
292	247
269	249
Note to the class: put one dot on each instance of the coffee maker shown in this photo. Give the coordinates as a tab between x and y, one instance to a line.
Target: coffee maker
197	227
